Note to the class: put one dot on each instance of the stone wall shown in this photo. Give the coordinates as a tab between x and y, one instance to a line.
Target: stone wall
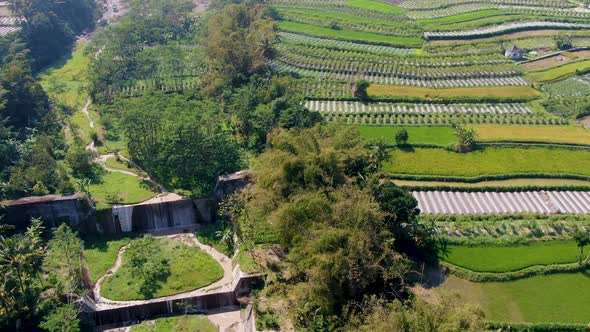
52	209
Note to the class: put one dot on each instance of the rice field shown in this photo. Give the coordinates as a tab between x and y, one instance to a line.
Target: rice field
443	135
496	258
555	298
537	202
488	161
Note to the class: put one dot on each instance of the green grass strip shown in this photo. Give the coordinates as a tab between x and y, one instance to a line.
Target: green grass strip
376	6
559	72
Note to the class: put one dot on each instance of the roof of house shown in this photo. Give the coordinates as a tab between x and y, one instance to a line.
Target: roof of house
42	199
515	49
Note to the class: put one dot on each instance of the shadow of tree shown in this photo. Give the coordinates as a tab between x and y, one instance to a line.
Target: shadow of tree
154	277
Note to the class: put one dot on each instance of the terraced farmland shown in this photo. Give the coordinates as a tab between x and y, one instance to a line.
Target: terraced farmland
9	23
526	179
543	202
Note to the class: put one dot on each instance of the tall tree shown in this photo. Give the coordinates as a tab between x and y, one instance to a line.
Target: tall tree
20	266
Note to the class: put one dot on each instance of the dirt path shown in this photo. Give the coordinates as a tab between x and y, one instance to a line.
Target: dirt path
223	284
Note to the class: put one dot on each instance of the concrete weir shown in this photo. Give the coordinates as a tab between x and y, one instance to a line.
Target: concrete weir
223	293
123	315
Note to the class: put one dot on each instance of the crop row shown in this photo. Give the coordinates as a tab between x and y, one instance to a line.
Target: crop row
338	8
483	32
398	70
9	20
358	107
375	27
449	11
4	30
280	66
529	229
545	11
378	119
575	86
541	202
344	45
322	55
434	4
324	89
166	85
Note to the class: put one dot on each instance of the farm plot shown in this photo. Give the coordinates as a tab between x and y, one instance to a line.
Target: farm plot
504	28
495	231
559	72
486	133
575	86
343	45
496	258
480	93
441	4
563	298
346	107
489	161
350	35
538	202
281	66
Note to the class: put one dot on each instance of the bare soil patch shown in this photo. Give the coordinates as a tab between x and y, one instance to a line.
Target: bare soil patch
556	60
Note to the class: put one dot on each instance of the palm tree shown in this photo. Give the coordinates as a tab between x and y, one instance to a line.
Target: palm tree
20	264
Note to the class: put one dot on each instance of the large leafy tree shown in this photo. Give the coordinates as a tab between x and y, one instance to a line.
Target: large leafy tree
239	39
310	191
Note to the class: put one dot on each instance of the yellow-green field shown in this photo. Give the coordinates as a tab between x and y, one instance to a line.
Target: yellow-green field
488	161
496	184
555	298
558	72
551	134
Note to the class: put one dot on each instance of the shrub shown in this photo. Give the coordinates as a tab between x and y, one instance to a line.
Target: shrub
401	137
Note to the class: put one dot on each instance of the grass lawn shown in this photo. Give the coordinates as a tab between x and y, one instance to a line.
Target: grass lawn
495	184
488	161
190	269
375	5
512	258
208	235
563	298
558	72
101	253
66	81
350	34
378	90
130	189
120	165
188	323
418	135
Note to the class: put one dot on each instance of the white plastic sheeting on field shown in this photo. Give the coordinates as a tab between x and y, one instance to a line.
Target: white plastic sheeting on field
541	202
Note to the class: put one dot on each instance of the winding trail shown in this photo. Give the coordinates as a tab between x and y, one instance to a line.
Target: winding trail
223	284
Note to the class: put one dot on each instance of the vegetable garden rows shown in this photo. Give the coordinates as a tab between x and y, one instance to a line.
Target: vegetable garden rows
504	28
281	66
432	4
539	202
537	229
358	107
